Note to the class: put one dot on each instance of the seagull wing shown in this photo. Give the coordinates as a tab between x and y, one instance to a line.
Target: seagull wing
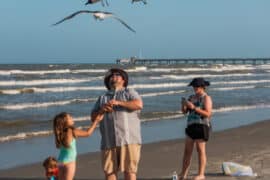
73	15
125	24
107	14
107	3
92	1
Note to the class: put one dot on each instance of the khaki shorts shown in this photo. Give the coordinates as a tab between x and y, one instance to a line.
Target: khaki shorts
125	159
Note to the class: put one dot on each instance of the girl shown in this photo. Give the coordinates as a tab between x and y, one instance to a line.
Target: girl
51	168
199	109
65	140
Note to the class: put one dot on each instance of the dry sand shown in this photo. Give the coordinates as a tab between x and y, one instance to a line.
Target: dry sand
247	145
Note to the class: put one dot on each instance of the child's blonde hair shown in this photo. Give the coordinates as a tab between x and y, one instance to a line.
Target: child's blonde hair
60	128
50	162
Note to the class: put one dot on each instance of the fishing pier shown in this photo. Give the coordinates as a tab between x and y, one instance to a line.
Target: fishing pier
135	61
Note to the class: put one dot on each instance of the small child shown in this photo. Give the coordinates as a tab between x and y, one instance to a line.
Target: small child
65	140
51	168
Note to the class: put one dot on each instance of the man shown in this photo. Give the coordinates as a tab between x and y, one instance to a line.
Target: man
120	128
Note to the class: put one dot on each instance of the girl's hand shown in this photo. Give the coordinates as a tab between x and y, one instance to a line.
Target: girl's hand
99	117
107	108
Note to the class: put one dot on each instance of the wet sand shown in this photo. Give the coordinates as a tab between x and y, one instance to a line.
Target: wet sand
247	145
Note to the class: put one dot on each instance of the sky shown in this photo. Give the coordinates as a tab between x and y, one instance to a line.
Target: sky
164	29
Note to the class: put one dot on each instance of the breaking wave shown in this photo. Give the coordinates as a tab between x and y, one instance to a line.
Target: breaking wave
175	115
44	104
58	71
47	81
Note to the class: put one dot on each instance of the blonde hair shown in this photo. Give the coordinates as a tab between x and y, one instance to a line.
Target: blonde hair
50	162
60	128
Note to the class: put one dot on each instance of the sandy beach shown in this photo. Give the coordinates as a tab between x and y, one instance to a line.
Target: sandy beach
247	145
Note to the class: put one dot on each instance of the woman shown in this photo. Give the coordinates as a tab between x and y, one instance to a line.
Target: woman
199	109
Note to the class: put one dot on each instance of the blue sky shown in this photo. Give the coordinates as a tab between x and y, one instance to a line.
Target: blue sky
165	29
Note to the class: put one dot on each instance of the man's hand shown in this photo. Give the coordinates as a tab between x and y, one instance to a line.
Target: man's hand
114	102
132	105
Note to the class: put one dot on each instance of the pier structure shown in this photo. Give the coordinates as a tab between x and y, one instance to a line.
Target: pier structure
135	61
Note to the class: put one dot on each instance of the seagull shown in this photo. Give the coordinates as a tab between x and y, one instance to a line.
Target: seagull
95	1
98	15
144	1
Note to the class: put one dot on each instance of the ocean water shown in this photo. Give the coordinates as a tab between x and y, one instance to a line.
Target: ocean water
31	95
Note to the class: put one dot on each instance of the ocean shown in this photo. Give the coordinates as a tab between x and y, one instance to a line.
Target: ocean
31	95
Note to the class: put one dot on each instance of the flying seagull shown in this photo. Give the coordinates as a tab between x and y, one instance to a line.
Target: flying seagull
98	15
144	1
95	1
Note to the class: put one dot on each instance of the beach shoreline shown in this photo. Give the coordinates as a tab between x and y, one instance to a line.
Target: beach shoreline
247	145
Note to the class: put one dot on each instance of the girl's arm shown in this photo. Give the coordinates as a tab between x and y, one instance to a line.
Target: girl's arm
90	130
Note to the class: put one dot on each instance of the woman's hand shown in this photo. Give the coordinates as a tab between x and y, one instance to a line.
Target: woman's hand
190	105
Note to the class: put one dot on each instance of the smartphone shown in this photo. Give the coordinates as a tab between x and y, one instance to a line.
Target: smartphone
184	100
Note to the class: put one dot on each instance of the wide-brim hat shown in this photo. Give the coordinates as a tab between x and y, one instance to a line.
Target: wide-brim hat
199	82
109	74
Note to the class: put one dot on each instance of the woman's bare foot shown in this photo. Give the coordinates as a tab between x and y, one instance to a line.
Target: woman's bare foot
199	177
180	177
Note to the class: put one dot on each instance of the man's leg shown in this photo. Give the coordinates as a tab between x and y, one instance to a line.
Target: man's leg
130	157
110	163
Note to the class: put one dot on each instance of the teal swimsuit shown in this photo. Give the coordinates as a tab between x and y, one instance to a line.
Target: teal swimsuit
68	154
